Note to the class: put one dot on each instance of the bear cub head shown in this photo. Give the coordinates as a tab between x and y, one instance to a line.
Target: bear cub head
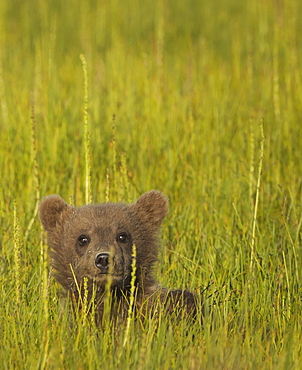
96	241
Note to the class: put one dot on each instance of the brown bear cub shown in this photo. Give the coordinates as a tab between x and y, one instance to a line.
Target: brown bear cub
96	242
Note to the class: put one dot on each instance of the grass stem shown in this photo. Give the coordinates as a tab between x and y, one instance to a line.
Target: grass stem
88	195
254	224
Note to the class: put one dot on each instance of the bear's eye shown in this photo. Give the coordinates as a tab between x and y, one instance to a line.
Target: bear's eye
122	237
83	240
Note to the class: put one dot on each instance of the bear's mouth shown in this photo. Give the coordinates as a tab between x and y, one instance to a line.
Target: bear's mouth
114	280
108	273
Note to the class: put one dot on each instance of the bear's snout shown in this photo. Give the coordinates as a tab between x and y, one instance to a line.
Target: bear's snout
102	262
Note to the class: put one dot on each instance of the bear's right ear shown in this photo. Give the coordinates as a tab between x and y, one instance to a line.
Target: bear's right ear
151	207
50	211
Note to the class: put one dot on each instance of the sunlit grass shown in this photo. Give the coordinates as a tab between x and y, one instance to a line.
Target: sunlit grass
106	100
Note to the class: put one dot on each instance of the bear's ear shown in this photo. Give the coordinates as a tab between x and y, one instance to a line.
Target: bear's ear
151	207
50	211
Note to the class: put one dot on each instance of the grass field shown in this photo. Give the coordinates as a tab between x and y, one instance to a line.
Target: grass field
104	100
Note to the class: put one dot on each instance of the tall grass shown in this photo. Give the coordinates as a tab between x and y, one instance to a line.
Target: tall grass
106	100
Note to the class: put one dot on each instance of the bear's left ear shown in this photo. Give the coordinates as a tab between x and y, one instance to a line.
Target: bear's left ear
51	211
152	207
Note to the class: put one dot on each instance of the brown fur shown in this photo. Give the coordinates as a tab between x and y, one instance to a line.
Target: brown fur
96	242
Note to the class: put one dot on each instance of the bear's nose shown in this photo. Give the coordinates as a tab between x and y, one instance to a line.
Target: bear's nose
102	262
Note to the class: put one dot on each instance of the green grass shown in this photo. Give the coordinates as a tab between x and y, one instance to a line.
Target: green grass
172	95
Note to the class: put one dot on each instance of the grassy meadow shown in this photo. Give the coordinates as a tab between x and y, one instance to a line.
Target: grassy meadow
105	100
